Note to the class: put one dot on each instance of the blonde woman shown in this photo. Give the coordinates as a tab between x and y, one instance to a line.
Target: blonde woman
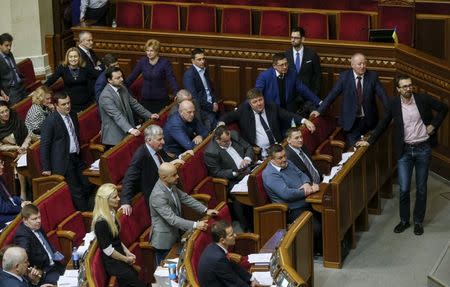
39	110
117	259
77	80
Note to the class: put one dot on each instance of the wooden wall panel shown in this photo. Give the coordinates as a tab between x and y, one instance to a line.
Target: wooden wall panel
230	77
126	66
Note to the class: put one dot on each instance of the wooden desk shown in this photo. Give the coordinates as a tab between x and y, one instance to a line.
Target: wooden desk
271	245
242	197
93	176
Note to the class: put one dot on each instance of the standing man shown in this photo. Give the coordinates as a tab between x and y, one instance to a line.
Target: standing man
305	61
165	209
215	269
60	151
15	271
260	122
183	131
96	10
12	86
86	43
142	174
229	156
116	107
42	255
196	80
414	134
298	154
109	60
279	85
359	88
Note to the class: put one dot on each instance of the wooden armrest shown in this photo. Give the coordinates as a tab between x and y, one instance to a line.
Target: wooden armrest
236	258
41	185
322	157
338	143
229	105
87	219
66	238
145	235
112	281
247	243
272	206
146	245
96	139
203	198
222	181
219	189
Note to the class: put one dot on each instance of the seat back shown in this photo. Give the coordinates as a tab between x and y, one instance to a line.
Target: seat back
114	163
7	235
95	271
34	159
129	15
401	19
353	26
256	190
26	68
165	17
275	23
134	225
315	25
236	21
90	125
57	86
201	19
22	108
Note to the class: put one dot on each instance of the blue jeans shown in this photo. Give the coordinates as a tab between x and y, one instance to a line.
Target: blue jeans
414	156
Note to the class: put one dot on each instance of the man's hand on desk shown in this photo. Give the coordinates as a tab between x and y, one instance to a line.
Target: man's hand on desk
202	225
362	143
315	187
212	212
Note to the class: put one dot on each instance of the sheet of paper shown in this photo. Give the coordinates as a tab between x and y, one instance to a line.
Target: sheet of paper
68	281
241	186
263	278
71	273
259	257
95	165
22	160
345	157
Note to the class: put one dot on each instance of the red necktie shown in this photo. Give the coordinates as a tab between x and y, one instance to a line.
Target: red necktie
159	158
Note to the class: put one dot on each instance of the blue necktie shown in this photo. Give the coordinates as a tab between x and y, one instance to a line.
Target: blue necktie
297	62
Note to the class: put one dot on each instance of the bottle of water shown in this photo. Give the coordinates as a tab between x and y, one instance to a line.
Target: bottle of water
114	23
173	272
75	259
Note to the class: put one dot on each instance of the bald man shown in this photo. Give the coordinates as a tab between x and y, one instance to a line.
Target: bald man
183	131
15	272
183	95
358	87
165	209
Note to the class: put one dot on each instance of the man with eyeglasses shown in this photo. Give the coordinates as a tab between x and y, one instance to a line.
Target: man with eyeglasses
414	134
305	60
359	88
279	85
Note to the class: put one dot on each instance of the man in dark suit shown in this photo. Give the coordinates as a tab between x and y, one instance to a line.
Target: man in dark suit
414	134
359	88
12	86
261	123
60	151
196	80
228	156
86	43
279	85
109	60
305	61
41	254
142	173
215	269
15	272
298	154
183	131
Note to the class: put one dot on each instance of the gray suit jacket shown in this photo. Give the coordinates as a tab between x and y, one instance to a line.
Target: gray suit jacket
166	217
117	114
7	74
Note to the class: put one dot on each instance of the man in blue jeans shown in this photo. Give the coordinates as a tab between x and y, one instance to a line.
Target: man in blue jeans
414	135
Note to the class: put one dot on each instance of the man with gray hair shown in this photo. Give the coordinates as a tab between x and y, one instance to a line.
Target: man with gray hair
183	95
86	43
142	173
15	272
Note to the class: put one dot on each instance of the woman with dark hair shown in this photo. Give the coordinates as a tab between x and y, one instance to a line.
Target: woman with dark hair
14	136
157	73
116	257
77	80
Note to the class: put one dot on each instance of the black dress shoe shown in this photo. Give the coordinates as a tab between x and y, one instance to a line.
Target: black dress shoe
401	227
418	229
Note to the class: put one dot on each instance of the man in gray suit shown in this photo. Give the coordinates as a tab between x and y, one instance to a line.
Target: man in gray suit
116	109
165	209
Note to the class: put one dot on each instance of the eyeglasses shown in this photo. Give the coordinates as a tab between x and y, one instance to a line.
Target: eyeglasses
406	86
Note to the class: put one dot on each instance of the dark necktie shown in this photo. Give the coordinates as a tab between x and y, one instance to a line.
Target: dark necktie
266	129
159	158
10	63
282	91
5	190
359	94
297	62
312	171
88	53
46	245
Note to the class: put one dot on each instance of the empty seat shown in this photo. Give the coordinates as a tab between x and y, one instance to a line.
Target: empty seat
275	23
399	18
353	27
236	21
26	68
315	25
201	19
22	108
129	15
165	17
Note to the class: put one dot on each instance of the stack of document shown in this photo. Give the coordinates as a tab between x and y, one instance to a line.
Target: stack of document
259	258
95	165
263	278
69	279
241	186
21	160
335	169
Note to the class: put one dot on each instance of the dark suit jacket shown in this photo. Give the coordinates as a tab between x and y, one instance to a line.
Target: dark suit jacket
37	255
178	134
193	83
297	161
220	163
55	143
346	85
8	210
310	71
245	117
142	174
89	64
425	104
7	280
215	270
295	91
7	74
